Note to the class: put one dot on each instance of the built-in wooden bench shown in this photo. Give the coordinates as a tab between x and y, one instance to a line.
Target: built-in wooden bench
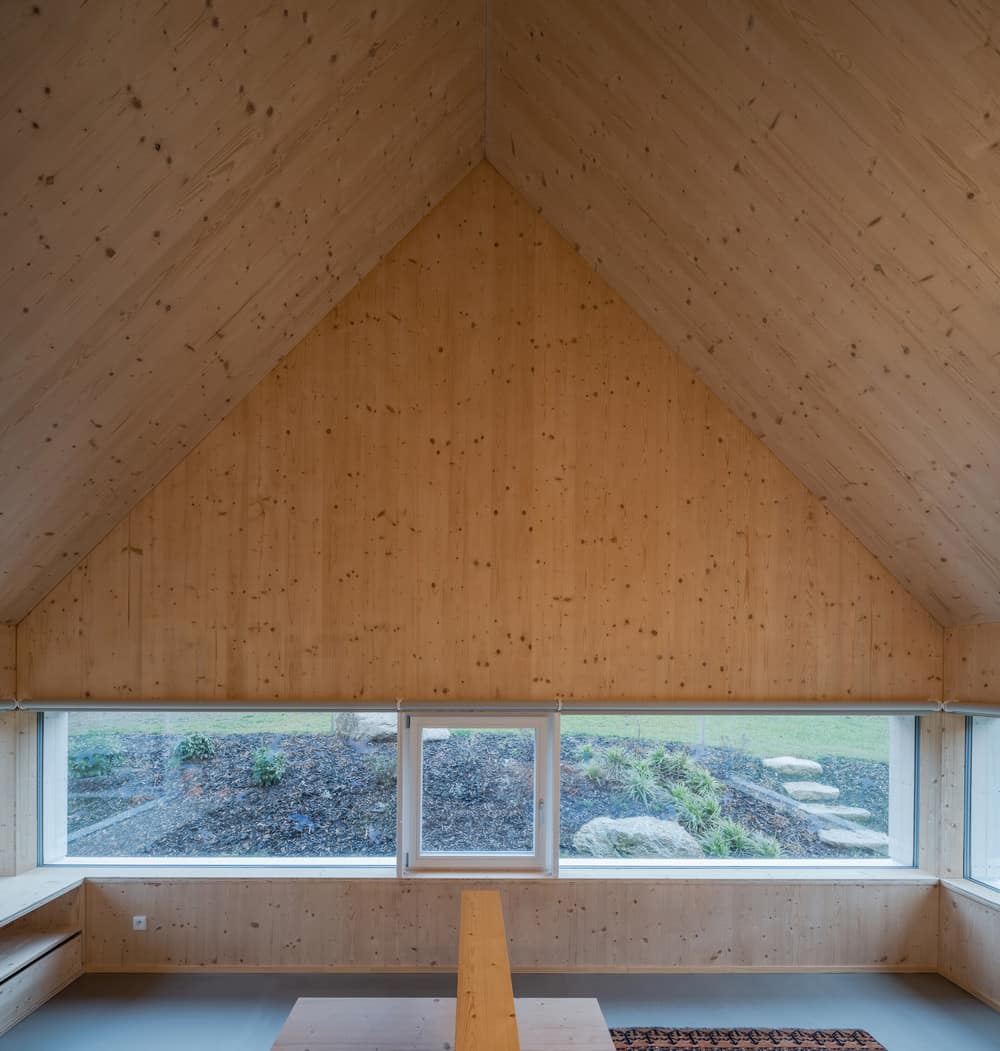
41	952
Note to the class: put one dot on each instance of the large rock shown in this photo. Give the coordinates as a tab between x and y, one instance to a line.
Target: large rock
792	766
852	813
854	838
811	791
374	727
635	837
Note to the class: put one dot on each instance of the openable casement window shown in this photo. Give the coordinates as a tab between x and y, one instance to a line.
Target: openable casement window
479	793
522	790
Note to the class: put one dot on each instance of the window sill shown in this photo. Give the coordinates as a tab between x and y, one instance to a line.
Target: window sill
981	892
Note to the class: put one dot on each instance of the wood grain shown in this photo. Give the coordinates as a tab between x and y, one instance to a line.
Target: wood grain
482	476
970	943
29	989
972	663
8	662
18	792
188	189
485	1019
552	925
802	199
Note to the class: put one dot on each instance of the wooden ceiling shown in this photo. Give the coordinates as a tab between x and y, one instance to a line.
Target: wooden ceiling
802	198
187	189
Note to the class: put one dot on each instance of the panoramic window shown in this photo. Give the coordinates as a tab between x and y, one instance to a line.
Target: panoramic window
479	792
697	788
522	793
983	830
219	785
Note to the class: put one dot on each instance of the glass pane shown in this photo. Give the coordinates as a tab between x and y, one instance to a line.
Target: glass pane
735	786
264	784
478	791
984	801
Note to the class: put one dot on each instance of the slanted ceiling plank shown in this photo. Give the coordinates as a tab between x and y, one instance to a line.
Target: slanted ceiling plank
972	663
803	200
187	189
481	476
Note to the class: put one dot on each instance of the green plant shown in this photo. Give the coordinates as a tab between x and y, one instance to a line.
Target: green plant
615	763
701	782
765	847
586	753
268	767
696	813
94	758
716	845
640	783
194	748
669	766
594	773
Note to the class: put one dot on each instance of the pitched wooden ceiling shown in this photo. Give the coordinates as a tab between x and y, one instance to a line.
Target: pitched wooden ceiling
800	197
803	198
187	189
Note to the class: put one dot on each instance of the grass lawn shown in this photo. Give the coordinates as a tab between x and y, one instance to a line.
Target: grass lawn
807	736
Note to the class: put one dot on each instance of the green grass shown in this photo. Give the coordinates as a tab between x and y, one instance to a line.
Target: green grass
807	736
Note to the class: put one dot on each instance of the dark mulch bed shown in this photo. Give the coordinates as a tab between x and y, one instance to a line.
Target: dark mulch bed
744	1040
338	798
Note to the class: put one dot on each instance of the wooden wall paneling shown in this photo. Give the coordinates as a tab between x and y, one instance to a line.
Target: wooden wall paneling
8	662
481	476
972	663
565	925
950	801
970	943
800	202
190	189
18	792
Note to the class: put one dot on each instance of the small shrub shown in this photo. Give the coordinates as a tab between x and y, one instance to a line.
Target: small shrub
670	767
94	759
586	753
765	847
615	763
639	782
696	813
594	774
268	767
701	782
194	748
716	845
740	840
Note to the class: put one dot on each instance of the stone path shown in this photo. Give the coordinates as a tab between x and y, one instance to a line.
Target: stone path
819	800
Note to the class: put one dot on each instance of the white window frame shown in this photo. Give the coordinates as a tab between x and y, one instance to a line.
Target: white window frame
982	800
543	861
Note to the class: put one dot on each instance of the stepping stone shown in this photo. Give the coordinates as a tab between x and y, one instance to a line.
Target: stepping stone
854	837
793	766
855	813
811	791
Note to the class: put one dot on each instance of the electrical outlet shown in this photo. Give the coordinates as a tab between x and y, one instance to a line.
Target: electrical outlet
138	923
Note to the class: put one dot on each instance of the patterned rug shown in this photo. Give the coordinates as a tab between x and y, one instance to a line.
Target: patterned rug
744	1040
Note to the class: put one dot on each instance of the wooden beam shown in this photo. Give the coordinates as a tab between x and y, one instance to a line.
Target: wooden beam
485	1018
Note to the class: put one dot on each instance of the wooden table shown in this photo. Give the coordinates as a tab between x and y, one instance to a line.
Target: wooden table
423	1024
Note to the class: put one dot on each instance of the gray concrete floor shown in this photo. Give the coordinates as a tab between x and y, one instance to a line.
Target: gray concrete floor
228	1012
